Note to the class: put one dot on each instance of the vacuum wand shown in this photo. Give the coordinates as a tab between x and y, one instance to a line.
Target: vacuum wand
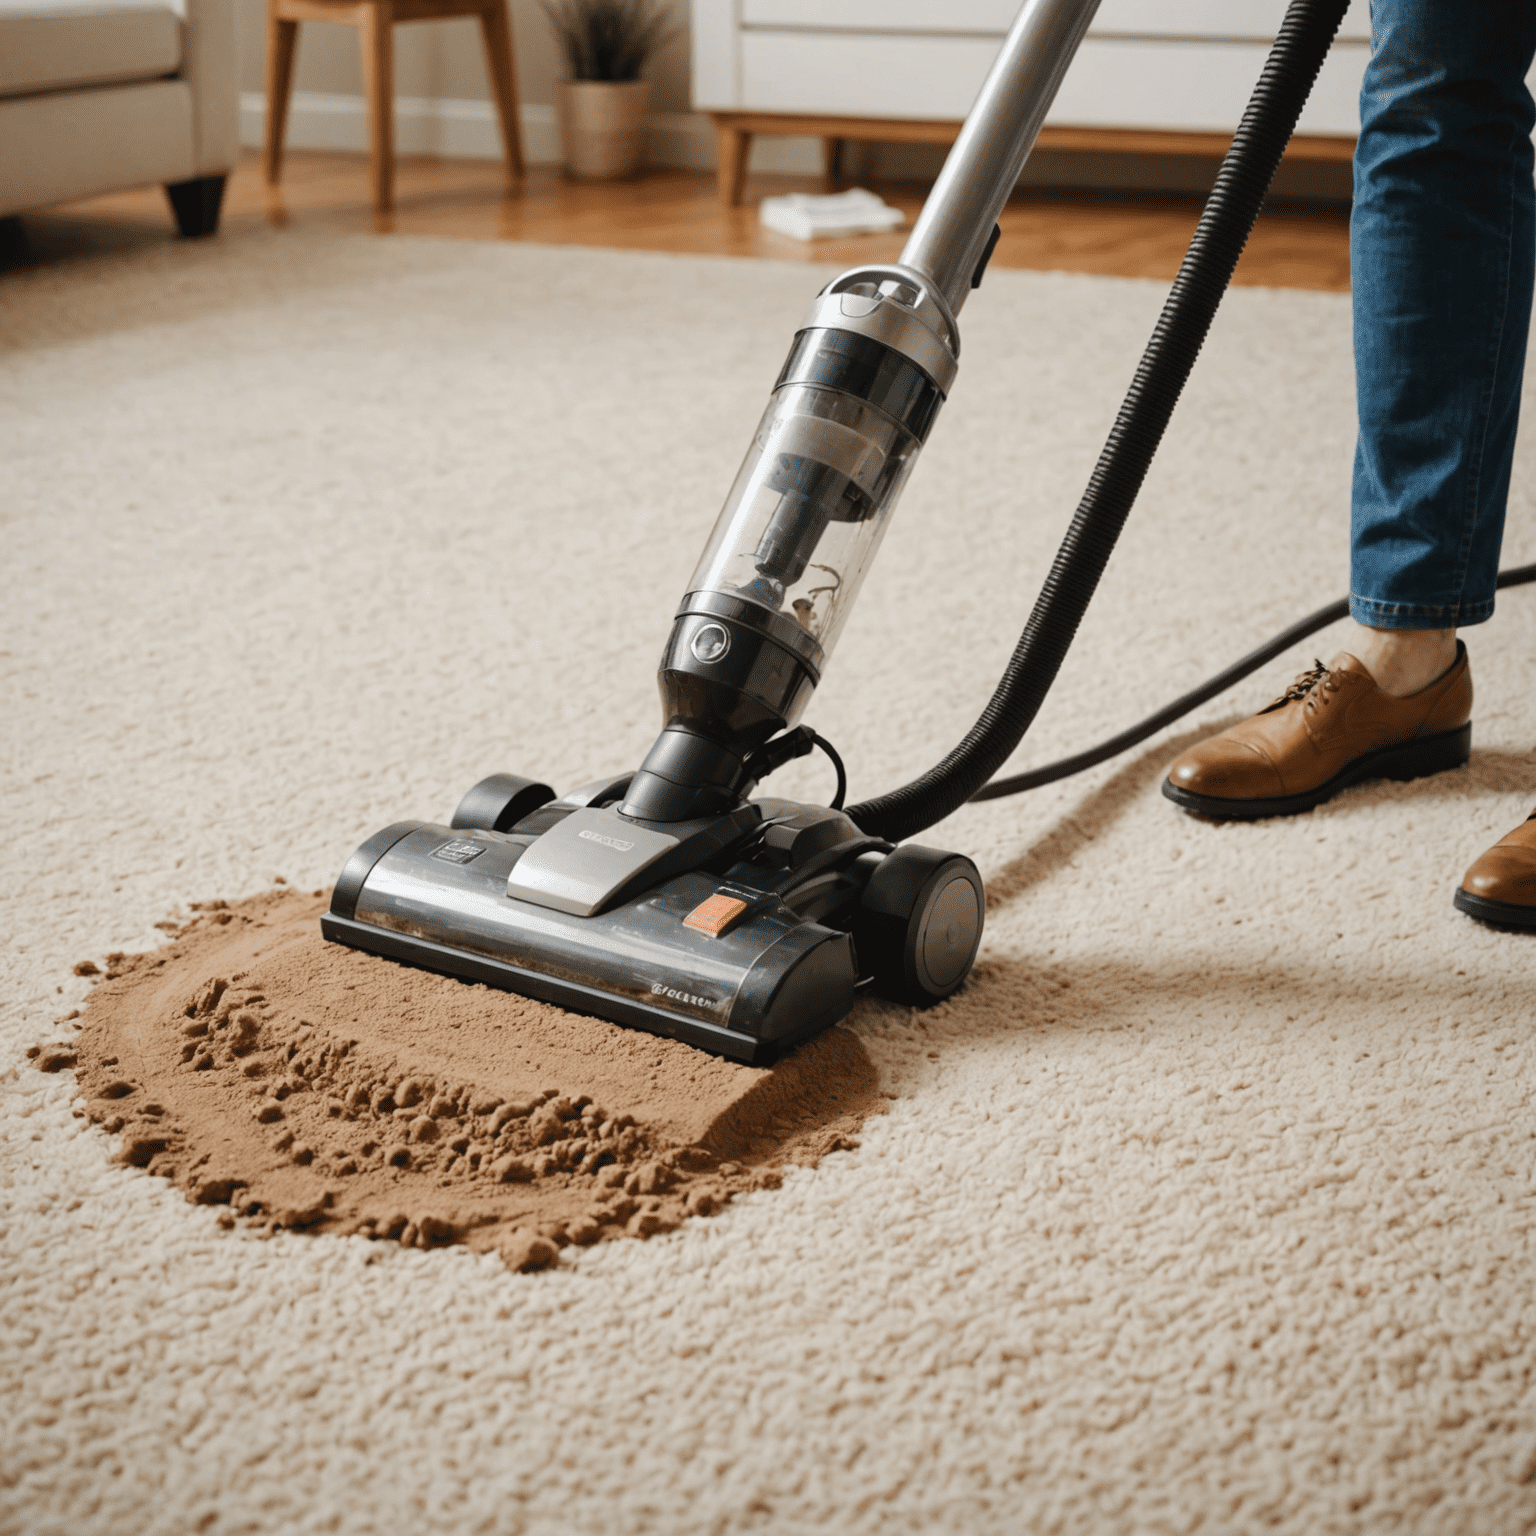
866	375
954	231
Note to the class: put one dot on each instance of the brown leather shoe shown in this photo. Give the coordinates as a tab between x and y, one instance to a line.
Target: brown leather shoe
1331	728
1501	886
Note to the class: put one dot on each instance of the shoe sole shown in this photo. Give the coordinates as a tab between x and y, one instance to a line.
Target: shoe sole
1502	914
1408	760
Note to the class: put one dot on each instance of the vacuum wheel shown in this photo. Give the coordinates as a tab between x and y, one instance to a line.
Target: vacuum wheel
919	924
498	803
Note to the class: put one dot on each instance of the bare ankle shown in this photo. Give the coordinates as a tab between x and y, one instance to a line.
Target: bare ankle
1402	661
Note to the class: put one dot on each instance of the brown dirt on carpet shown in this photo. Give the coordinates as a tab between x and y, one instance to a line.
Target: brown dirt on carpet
311	1086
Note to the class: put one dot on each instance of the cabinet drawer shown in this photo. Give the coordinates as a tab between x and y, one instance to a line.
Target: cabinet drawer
863	76
990	17
1237	20
1247	20
1113	82
1144	83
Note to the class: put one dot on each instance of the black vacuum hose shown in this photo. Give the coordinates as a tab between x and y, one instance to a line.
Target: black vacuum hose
1080	762
1225	223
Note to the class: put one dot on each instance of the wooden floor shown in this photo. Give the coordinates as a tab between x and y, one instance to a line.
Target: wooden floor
677	210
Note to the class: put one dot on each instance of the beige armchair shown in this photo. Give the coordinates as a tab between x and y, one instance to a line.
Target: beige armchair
99	95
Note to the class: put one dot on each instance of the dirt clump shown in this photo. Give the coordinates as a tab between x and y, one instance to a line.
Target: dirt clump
306	1085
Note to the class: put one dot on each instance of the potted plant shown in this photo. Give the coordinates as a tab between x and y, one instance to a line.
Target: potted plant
603	107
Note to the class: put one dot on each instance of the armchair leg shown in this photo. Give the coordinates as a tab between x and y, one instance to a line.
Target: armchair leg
196	204
14	249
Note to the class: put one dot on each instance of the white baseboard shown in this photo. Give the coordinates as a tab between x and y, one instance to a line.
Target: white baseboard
467	129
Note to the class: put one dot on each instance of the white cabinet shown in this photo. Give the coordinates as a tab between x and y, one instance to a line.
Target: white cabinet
1158	66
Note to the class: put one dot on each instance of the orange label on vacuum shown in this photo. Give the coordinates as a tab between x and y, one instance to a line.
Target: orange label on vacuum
715	915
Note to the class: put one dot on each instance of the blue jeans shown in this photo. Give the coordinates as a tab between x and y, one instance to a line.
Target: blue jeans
1442	239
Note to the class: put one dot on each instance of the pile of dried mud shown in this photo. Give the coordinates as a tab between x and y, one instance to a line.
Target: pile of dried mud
308	1085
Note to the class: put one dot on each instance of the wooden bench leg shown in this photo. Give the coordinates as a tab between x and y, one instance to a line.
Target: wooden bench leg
496	29
282	42
831	159
734	146
377	36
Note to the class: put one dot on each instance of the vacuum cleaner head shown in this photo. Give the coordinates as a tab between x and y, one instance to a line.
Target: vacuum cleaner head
743	933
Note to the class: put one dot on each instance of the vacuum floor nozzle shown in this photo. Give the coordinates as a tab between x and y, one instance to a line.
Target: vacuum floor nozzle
747	952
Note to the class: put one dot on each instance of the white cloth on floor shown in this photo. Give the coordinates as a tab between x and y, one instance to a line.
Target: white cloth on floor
805	216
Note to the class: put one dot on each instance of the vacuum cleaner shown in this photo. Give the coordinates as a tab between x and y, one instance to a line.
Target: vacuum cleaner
674	897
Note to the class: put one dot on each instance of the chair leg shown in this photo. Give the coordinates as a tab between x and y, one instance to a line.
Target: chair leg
282	43
378	40
501	61
734	146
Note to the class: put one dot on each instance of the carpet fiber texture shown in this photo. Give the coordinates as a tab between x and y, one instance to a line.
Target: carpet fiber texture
1209	1205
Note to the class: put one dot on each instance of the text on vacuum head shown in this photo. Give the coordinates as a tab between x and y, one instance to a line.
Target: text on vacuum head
683	997
607	842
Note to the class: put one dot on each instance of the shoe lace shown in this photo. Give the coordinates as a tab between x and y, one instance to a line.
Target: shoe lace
1315	685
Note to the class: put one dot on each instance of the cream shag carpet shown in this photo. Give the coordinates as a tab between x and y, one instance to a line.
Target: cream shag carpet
1208	1206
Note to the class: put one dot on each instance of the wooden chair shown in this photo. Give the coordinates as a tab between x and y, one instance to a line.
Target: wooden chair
375	21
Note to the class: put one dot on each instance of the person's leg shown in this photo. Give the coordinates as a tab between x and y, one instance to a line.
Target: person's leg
1442	239
1443	234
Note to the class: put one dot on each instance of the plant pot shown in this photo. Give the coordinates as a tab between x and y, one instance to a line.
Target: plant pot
603	126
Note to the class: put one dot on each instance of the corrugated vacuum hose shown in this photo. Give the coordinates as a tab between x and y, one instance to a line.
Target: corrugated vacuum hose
1299	50
1080	762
